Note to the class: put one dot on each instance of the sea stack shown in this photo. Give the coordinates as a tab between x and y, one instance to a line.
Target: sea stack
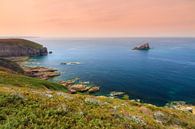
144	46
21	47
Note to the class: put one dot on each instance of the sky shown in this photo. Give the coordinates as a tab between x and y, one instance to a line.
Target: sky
97	18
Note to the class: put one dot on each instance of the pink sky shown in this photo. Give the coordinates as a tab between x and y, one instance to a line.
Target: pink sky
97	18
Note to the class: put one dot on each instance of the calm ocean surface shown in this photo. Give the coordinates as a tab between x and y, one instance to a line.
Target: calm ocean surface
164	73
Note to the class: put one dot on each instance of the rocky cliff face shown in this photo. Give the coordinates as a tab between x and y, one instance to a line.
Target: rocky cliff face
21	47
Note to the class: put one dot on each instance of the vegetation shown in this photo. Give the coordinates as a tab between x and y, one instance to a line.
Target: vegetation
125	97
10	65
20	42
33	103
10	79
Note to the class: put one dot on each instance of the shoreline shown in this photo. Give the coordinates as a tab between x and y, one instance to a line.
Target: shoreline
45	73
82	88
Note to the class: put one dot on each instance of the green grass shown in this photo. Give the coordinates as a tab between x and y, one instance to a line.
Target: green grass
11	79
4	63
34	108
20	42
32	103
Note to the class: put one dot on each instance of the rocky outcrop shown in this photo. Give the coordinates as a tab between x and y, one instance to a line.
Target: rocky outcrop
74	86
70	63
181	105
115	94
21	47
94	89
41	72
144	46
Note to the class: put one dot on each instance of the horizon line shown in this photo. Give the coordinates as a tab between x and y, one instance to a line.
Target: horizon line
97	36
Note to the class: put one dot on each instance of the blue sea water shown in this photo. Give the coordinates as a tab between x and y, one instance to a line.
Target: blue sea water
164	73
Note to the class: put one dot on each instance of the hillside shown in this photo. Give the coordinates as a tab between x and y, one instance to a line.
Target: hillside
20	47
33	103
10	66
20	42
11	79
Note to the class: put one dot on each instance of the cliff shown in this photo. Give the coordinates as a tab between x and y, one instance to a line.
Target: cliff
21	47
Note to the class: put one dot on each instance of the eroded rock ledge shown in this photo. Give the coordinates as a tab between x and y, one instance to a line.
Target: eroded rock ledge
75	85
41	72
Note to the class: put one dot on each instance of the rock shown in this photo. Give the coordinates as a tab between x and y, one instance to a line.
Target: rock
66	83
69	82
87	82
50	52
94	89
181	105
184	108
41	72
114	93
144	46
160	117
72	91
70	63
83	88
79	87
39	69
75	85
49	95
188	109
43	51
21	47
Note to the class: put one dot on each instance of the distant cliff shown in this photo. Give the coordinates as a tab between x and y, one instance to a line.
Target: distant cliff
21	47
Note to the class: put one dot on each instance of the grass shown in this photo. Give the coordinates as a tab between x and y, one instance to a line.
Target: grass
20	42
38	108
7	64
10	79
31	103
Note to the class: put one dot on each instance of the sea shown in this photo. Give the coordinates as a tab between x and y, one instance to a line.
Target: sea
163	74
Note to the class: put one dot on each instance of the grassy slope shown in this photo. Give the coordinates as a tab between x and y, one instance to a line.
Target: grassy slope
27	103
12	66
9	79
20	42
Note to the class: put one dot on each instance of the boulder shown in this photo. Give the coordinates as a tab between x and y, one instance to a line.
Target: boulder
114	93
160	117
76	86
94	89
67	83
70	63
144	46
79	87
72	91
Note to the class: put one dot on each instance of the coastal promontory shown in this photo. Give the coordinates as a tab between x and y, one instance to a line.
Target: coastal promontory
21	47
